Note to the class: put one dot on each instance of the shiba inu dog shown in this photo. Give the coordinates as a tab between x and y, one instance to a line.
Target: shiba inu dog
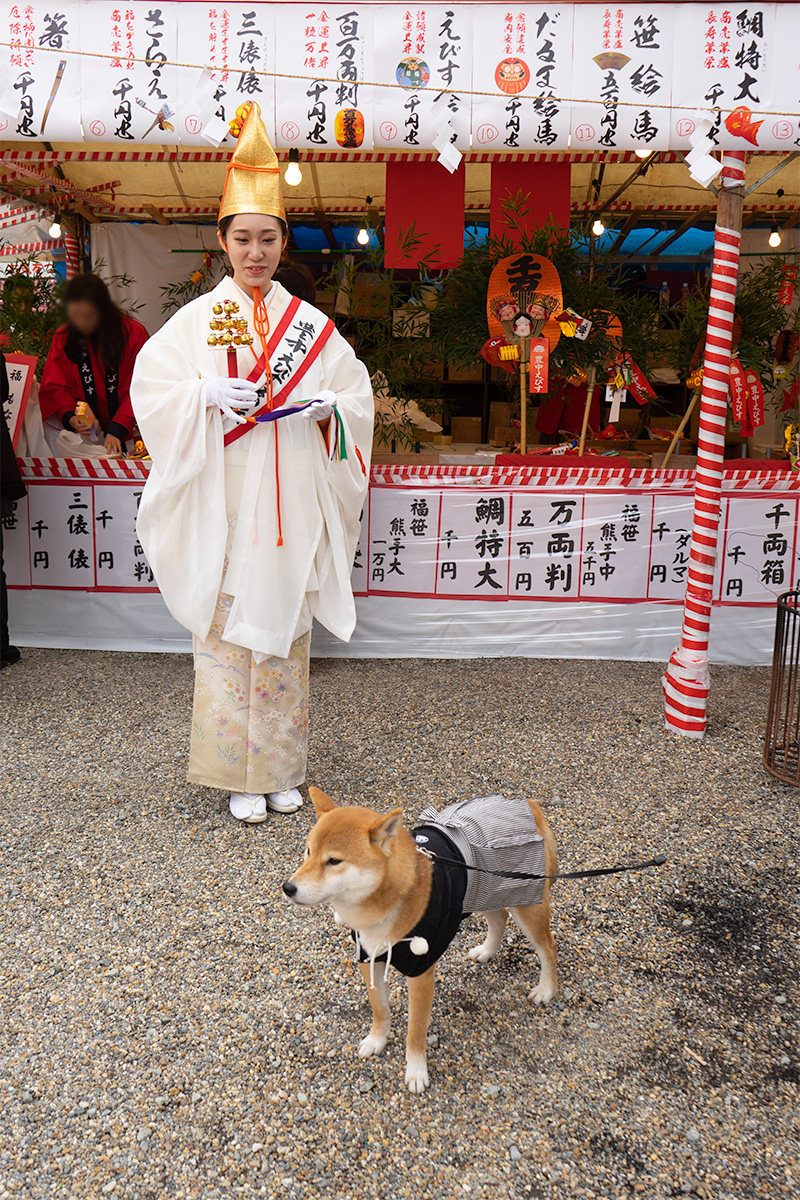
405	906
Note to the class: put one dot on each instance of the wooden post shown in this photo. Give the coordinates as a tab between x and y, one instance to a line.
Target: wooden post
686	679
590	383
687	416
524	361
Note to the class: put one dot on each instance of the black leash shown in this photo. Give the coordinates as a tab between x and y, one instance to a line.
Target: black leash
657	861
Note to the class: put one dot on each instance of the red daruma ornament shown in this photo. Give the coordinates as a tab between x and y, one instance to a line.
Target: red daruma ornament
348	128
512	76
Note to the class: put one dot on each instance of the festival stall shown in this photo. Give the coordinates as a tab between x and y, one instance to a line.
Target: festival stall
414	118
556	561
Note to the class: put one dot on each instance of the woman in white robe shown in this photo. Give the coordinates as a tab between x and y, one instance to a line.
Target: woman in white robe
251	528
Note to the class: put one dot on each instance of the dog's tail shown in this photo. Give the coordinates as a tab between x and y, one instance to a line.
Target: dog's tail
550	852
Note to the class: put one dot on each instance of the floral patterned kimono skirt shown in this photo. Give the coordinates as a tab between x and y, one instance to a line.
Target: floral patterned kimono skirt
249	720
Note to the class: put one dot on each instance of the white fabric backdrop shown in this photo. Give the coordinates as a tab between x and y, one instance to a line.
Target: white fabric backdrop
145	253
398	627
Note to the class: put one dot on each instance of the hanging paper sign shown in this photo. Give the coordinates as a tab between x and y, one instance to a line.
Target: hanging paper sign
638	385
790	396
80	537
786	345
758	555
522	63
331	50
729	64
623	55
428	53
786	290
746	428
20	369
524	291
738	391
755	399
614	545
782	132
615	396
40	81
574	325
402	540
237	43
133	95
473	549
540	353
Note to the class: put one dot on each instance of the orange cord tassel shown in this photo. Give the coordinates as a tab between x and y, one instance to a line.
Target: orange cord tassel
261	322
278	486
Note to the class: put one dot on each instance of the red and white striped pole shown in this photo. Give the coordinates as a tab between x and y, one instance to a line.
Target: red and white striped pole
687	680
72	260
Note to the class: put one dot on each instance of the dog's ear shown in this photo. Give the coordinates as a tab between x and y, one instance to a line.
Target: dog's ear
386	829
321	802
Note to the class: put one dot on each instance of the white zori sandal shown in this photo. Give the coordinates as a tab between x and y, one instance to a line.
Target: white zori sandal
284	802
247	807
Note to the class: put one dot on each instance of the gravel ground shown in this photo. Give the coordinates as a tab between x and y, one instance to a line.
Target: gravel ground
171	1027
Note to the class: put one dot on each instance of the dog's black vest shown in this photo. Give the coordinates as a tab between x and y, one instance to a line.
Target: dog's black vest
445	912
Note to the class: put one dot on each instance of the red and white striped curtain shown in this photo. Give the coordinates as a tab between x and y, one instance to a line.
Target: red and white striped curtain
687	680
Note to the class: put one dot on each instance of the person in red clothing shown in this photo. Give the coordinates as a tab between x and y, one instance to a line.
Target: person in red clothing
91	359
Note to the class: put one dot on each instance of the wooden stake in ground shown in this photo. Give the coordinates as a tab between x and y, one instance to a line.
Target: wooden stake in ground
590	382
687	416
524	355
686	680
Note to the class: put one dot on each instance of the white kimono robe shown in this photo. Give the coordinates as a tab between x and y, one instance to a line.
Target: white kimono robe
208	523
182	522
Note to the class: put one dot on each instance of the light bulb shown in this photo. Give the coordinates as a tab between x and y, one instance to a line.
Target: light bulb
598	229
642	153
362	237
293	174
774	237
55	228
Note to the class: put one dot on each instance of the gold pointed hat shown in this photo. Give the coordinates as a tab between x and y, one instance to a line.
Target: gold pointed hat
253	182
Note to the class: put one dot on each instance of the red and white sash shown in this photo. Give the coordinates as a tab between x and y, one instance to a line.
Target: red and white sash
293	346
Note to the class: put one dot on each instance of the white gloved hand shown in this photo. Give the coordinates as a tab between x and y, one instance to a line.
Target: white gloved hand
227	394
320	407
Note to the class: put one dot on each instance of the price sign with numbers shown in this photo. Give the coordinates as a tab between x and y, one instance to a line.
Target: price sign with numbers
21	370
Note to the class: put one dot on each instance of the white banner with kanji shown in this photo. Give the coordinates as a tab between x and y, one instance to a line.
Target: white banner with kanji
325	55
622	55
235	43
427	50
521	75
40	76
340	77
129	89
728	56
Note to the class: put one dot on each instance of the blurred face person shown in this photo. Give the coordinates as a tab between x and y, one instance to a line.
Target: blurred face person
90	364
83	316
